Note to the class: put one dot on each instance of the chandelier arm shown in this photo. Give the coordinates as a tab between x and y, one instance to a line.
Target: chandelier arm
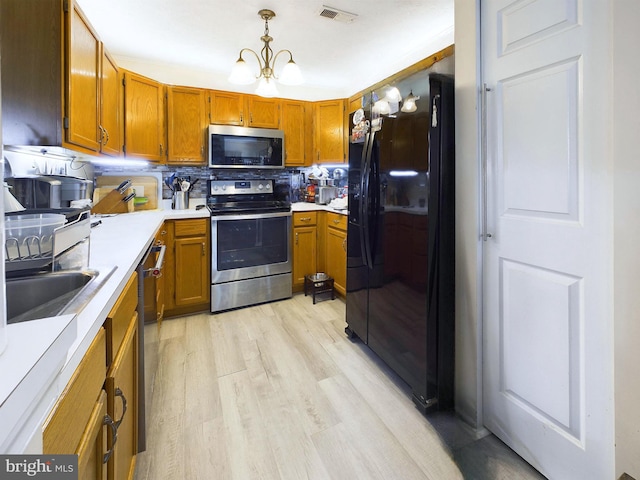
274	61
255	55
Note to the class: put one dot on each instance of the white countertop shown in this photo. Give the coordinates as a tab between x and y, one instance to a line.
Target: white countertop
43	354
314	207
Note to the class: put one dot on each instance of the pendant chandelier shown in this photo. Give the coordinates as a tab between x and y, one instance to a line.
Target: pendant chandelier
243	75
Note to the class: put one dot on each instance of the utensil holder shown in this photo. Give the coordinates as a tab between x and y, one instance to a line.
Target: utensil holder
180	200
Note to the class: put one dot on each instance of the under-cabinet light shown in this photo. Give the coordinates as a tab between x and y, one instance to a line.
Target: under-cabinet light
119	162
403	173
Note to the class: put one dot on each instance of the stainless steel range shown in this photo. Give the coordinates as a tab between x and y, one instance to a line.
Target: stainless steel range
250	243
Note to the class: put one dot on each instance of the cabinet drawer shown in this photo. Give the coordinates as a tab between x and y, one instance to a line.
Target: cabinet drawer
336	220
304	219
186	228
66	424
118	319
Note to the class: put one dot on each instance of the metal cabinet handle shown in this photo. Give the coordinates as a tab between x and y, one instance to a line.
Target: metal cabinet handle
118	393
305	219
250	118
296	238
203	250
107	420
101	136
336	221
485	153
344	244
241	117
161	150
106	132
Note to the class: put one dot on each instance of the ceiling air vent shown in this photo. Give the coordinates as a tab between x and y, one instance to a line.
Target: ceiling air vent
336	14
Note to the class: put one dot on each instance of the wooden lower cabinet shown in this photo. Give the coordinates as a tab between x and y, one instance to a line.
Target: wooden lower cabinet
336	250
92	448
100	402
71	416
187	268
305	247
320	245
122	400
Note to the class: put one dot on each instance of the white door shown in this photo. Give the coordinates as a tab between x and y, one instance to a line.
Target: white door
548	357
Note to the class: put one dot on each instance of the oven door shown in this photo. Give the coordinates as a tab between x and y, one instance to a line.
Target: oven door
250	246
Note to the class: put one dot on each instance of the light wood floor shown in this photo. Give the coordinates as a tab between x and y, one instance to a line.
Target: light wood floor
277	391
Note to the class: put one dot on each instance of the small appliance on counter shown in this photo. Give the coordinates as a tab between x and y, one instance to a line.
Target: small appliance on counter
49	191
326	194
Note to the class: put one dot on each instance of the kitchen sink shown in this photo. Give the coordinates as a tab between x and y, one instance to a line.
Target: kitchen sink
51	294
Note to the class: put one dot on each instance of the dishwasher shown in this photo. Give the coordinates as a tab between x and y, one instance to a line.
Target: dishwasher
149	272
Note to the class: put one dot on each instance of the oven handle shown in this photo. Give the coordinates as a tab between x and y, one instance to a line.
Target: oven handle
251	216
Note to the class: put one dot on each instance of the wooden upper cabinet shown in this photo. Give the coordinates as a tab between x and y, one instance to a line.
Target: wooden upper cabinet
186	124
110	107
226	108
294	126
144	118
58	83
229	108
83	87
262	112
329	131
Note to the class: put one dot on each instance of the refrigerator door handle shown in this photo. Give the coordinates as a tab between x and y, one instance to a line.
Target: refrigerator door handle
367	200
364	220
374	212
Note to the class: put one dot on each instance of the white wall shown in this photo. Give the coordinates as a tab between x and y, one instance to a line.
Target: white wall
468	381
626	231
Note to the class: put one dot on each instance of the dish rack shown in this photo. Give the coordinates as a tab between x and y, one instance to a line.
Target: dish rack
51	251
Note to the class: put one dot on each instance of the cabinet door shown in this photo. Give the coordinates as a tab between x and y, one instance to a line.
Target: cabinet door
263	112
226	108
294	126
336	259
93	446
110	109
329	138
122	405
186	121
192	268
83	50
144	118
304	254
69	418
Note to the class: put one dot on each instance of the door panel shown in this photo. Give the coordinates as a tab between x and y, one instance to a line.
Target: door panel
547	349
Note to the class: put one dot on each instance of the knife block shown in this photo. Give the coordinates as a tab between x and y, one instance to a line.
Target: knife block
111	202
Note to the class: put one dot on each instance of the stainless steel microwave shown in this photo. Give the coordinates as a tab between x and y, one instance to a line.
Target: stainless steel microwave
245	147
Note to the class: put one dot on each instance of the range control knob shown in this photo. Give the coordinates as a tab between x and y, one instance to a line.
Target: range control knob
260	186
224	187
268	186
215	188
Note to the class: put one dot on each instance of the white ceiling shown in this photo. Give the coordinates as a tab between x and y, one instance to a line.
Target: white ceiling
196	42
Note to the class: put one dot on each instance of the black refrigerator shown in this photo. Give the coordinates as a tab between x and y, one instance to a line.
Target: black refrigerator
401	241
